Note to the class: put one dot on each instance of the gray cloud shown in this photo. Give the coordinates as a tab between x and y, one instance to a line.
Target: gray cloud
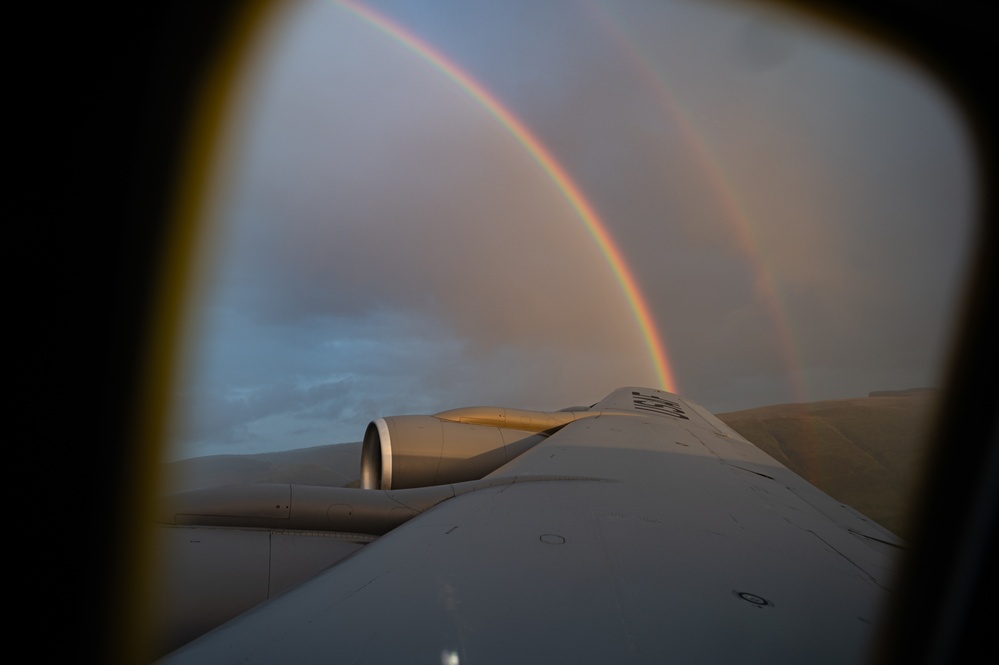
796	212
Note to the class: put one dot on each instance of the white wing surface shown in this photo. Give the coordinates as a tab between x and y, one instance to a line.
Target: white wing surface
642	530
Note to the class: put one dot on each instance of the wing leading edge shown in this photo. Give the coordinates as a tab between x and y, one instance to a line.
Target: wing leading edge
642	530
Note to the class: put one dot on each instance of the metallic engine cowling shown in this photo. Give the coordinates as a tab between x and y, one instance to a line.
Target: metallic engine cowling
402	452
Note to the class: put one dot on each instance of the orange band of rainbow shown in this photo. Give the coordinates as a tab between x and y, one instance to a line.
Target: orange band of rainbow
555	171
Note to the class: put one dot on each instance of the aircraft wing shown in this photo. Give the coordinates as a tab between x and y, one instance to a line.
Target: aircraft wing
640	530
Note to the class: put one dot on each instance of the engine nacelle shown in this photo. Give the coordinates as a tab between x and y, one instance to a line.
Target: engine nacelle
401	452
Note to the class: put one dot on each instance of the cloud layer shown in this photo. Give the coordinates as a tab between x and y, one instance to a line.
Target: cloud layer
795	205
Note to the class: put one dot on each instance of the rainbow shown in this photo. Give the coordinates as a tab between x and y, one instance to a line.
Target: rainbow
734	208
570	190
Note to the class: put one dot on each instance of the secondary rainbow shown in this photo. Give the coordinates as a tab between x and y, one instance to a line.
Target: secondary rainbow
555	171
735	209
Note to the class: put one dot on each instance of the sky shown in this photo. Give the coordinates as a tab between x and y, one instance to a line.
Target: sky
419	206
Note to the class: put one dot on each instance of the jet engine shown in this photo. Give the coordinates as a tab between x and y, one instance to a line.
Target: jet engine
402	452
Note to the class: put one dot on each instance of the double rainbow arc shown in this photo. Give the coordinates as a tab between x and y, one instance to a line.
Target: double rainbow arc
735	210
